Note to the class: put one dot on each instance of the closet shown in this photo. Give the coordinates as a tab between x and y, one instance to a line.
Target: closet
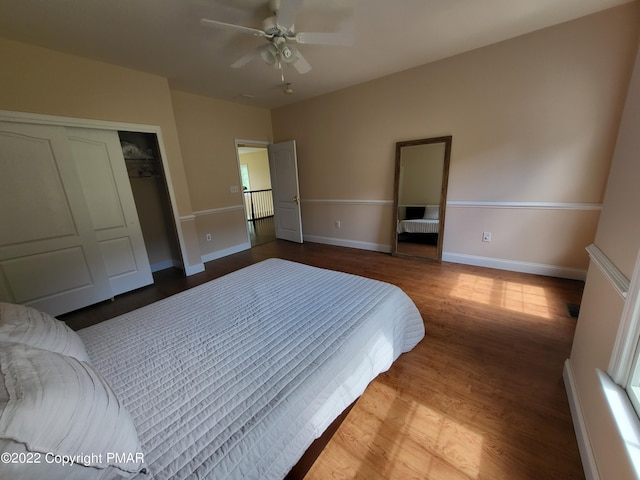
150	191
70	233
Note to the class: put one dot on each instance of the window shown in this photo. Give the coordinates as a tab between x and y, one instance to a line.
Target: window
633	386
621	383
244	174
624	367
631	318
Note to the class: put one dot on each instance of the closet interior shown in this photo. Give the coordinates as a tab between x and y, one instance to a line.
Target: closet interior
150	192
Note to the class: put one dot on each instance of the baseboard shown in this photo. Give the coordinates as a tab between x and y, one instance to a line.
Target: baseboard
582	435
341	242
516	266
225	252
498	263
193	269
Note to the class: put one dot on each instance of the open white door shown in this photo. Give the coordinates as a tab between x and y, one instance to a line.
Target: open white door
283	168
98	158
49	256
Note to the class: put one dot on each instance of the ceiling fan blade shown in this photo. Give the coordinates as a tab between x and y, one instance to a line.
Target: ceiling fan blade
230	26
287	12
242	61
301	65
341	39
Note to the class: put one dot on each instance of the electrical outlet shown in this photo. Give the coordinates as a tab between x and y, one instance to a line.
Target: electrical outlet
486	236
338	224
208	237
234	189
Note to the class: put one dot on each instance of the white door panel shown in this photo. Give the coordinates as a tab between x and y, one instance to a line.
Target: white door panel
94	169
56	275
49	256
103	174
284	180
29	161
119	257
288	219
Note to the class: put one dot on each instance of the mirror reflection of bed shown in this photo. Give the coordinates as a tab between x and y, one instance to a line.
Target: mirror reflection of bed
422	168
418	230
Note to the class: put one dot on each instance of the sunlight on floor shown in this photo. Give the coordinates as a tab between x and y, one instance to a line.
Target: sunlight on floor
450	446
515	296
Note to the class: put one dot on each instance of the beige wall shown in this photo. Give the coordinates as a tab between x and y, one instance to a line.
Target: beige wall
533	119
208	129
258	165
199	133
618	237
619	229
362	224
38	80
552	236
228	230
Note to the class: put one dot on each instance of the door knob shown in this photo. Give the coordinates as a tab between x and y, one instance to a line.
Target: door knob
295	199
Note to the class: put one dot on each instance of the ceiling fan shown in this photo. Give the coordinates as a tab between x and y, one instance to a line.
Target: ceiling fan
280	33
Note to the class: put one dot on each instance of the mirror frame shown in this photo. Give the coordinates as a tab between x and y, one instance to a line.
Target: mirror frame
447	140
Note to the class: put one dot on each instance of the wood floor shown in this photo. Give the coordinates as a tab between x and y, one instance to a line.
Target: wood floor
481	397
262	231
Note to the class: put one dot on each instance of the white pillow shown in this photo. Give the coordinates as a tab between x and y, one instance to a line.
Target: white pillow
431	212
56	405
22	324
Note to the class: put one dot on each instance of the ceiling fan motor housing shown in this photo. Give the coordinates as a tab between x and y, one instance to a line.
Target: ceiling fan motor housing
272	29
270	26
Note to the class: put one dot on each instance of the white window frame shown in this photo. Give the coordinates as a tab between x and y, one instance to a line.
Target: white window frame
624	366
621	383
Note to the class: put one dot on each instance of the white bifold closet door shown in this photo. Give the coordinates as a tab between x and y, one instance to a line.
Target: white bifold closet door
69	231
98	159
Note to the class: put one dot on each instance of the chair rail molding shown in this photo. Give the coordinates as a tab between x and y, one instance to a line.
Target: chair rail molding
610	271
526	205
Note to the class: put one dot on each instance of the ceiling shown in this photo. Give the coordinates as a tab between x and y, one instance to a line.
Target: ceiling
165	37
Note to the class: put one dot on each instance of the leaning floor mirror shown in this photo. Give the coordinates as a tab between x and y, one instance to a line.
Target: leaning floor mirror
422	172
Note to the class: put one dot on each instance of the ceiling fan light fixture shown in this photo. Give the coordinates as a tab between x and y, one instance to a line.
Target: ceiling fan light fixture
278	29
269	54
287	89
288	54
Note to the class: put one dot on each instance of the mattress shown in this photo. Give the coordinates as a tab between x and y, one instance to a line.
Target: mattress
418	225
235	378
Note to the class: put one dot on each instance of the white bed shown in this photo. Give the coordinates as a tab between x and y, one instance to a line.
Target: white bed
237	377
233	379
418	225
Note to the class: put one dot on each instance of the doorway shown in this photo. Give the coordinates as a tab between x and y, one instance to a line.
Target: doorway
253	163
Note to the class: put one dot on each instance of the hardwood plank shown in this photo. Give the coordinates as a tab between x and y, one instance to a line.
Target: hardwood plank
481	397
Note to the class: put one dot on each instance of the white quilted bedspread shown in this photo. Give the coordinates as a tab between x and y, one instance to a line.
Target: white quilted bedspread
235	378
418	225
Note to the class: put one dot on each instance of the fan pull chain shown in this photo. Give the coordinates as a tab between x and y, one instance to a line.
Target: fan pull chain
287	86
